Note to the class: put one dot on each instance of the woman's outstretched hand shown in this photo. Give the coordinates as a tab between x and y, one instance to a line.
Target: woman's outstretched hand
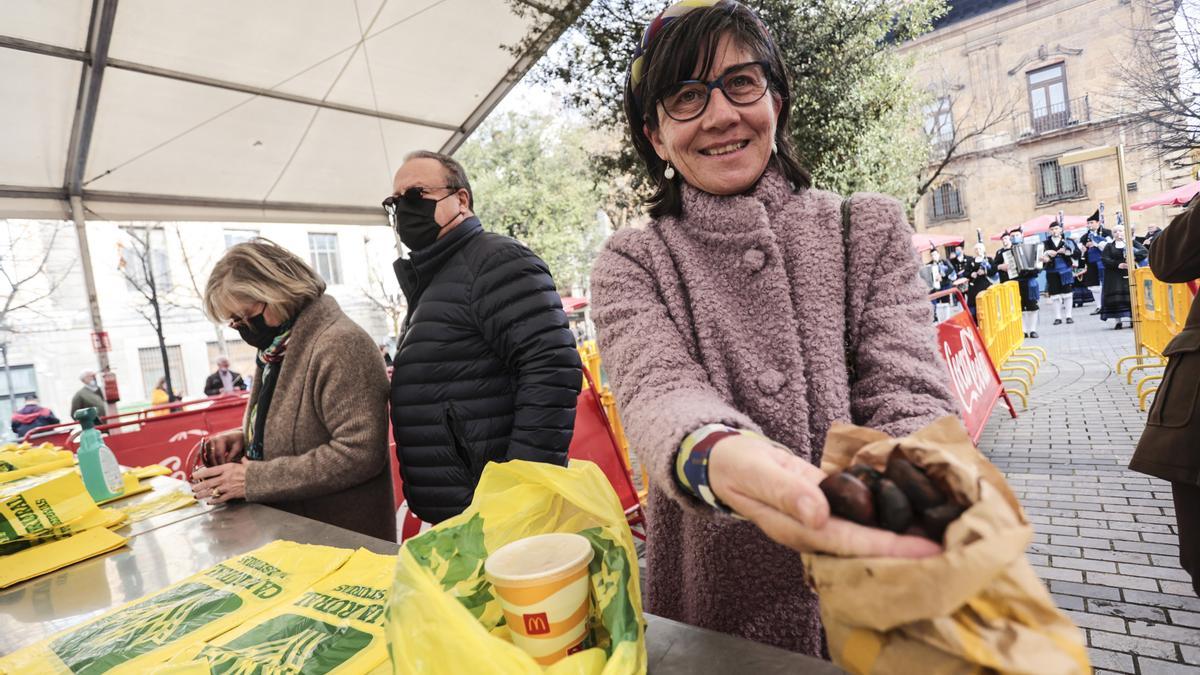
778	492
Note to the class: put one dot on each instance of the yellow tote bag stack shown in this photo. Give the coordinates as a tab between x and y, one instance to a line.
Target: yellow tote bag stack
153	629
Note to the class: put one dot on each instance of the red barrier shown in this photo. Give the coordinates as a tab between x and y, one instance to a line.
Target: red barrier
173	440
143	437
973	379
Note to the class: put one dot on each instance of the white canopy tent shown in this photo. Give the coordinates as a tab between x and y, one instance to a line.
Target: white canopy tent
251	110
275	110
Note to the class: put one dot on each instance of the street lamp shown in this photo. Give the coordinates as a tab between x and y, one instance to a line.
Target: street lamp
1118	151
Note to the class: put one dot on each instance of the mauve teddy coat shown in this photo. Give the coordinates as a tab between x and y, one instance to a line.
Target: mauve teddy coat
734	313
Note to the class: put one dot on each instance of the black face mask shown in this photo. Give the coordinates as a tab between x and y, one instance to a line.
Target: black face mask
256	333
414	219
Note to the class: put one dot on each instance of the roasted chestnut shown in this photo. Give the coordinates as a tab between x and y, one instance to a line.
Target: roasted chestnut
849	498
921	491
892	507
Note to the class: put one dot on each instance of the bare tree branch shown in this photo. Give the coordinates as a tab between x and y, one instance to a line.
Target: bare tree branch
971	119
16	293
1161	80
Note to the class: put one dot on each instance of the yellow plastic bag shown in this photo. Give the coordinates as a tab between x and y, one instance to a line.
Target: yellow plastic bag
158	504
151	630
334	627
18	461
38	510
443	616
49	556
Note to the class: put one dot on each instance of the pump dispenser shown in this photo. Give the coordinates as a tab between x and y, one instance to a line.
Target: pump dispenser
97	464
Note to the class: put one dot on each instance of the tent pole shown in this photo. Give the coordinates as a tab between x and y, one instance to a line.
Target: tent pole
89	278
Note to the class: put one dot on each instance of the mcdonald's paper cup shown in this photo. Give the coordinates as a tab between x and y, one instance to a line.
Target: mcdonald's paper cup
543	586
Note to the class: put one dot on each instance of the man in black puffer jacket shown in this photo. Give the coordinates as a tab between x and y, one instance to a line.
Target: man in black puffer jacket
486	370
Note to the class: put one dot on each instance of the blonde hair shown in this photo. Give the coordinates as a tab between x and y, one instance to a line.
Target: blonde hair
261	271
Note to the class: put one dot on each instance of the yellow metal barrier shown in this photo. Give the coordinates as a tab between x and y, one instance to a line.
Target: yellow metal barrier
999	312
1161	311
589	353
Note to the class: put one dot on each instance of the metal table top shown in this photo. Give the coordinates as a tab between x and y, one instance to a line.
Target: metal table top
167	548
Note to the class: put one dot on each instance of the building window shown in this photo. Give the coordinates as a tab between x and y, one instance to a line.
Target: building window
945	203
939	122
144	246
1048	104
323	254
1054	183
235	237
150	359
24	383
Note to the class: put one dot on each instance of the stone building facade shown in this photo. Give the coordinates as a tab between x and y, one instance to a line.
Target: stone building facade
1018	83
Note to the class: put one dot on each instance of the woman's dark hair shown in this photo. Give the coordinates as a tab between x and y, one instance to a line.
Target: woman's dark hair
673	56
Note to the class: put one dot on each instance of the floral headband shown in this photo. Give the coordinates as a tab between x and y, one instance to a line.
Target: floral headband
637	69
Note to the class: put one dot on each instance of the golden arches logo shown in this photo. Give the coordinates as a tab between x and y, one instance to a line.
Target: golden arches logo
536	624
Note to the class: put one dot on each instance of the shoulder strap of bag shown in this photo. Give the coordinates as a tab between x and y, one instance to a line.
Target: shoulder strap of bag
848	334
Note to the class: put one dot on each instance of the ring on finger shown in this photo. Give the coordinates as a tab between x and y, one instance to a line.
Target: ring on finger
216	492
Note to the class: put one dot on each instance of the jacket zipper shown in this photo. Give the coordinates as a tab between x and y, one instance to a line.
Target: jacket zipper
456	438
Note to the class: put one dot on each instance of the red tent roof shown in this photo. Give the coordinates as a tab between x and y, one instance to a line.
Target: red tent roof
922	240
572	304
1040	224
1177	197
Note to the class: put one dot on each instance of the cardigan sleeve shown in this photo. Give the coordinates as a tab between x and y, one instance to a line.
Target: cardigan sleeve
900	381
662	393
350	390
1175	254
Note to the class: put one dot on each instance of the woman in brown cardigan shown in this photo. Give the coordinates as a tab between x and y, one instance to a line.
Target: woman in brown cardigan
1170	445
314	438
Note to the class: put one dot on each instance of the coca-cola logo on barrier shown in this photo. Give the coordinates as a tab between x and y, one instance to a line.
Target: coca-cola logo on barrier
967	362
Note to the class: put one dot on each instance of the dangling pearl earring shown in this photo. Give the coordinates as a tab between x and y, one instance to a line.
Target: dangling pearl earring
669	172
774	147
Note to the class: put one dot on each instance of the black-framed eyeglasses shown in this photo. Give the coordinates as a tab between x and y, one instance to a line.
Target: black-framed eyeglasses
235	320
742	84
413	196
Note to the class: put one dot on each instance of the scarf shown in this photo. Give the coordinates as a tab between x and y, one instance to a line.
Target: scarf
271	361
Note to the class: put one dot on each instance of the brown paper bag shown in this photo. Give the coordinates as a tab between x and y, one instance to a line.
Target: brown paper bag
977	606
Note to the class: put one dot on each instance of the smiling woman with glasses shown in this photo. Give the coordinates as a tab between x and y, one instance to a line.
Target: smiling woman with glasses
314	438
747	317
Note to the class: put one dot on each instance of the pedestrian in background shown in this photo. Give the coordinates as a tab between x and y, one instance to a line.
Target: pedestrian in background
89	395
31	416
224	381
1170	446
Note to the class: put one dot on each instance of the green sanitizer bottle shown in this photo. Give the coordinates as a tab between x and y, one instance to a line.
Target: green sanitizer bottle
97	464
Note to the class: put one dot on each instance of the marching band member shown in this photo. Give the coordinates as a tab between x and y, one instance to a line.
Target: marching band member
1027	282
1094	241
1061	259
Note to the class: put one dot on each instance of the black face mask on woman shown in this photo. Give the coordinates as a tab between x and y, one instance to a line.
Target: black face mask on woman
413	216
256	333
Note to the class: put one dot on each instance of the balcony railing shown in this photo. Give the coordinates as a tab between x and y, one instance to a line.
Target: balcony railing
1050	118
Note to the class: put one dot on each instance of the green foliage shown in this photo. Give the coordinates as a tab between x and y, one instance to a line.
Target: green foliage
534	180
855	114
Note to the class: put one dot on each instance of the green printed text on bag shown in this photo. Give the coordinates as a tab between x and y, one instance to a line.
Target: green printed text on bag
334	627
152	629
37	511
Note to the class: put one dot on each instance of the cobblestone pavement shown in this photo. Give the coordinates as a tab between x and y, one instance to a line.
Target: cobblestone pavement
1105	541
